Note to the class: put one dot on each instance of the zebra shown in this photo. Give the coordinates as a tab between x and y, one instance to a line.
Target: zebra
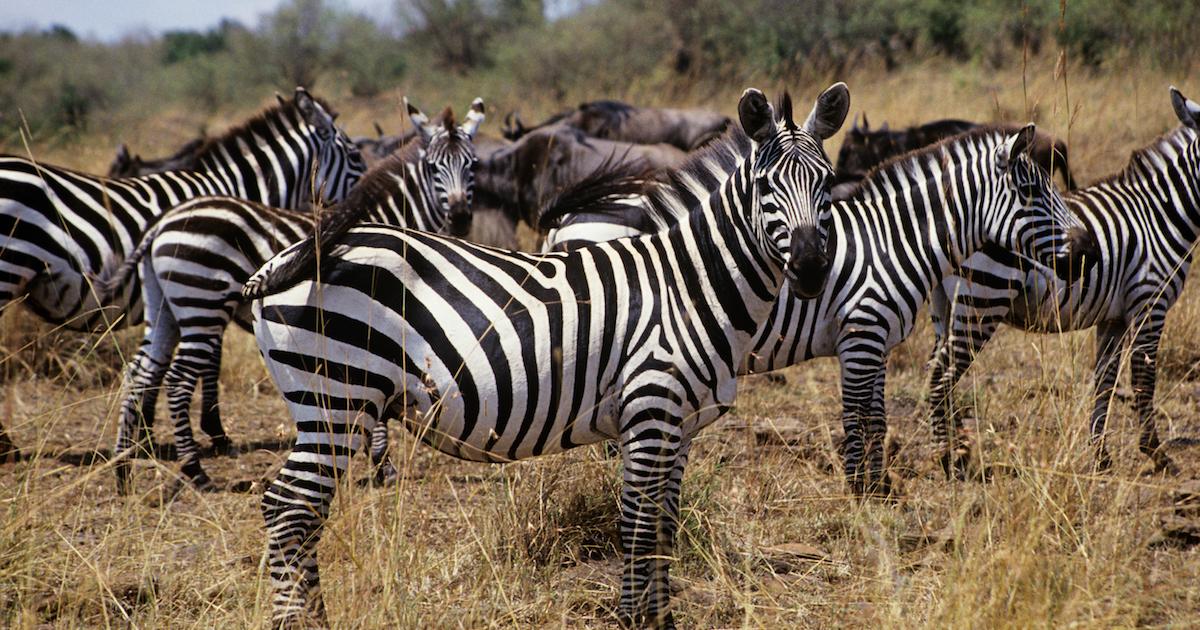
60	229
495	356
913	219
202	251
1146	220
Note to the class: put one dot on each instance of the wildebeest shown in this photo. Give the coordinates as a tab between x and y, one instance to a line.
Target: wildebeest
382	145
528	172
685	129
864	149
127	165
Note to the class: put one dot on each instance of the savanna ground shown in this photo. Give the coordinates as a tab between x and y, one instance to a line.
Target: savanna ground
769	538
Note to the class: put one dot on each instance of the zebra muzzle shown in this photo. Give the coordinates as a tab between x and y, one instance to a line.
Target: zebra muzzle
807	264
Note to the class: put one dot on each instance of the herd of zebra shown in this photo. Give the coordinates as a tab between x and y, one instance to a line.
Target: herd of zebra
680	250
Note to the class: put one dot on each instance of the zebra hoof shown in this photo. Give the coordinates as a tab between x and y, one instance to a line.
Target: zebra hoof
1104	461
197	477
1160	464
385	475
223	447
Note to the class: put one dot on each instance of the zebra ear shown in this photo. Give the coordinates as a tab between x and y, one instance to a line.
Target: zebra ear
1186	109
419	120
756	115
1014	146
474	118
829	112
866	126
311	110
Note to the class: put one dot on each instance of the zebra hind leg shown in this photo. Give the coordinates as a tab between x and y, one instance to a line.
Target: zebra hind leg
210	405
295	507
143	377
193	359
1143	368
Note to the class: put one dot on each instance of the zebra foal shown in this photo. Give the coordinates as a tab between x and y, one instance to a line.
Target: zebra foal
194	261
496	356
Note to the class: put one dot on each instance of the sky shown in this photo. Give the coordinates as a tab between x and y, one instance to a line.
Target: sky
109	20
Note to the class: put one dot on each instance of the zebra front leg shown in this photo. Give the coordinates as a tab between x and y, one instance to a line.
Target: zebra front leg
1109	338
650	451
859	378
879	483
1143	364
210	403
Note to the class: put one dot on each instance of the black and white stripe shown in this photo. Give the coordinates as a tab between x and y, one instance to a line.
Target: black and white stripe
909	225
1146	221
495	356
59	228
194	261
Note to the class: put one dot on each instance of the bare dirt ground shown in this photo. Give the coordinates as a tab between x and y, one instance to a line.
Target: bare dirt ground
769	536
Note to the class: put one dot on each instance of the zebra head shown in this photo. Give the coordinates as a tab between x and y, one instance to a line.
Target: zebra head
1031	217
339	163
790	177
448	162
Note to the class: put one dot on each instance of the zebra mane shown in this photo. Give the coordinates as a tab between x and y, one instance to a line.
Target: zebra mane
1143	159
700	175
600	192
258	124
907	162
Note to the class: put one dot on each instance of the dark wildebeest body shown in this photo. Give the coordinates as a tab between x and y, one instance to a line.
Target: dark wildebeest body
864	149
528	172
685	129
126	165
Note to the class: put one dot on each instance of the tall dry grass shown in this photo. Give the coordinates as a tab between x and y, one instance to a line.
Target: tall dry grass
769	536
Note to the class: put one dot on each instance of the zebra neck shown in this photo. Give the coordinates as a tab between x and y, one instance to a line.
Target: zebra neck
279	177
1172	189
725	256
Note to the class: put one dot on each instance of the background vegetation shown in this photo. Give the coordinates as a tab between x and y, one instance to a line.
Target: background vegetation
769	538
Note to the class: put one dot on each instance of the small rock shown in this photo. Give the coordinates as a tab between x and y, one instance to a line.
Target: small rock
1176	532
789	557
1187	499
943	538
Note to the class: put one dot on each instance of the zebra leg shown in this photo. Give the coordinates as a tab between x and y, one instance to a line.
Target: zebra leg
381	461
143	376
651	449
859	378
1109	338
875	430
193	359
969	333
210	403
1143	365
296	505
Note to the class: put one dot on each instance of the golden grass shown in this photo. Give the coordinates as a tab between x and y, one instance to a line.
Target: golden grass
1047	543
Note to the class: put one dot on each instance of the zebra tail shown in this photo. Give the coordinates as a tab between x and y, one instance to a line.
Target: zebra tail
106	285
299	262
599	192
